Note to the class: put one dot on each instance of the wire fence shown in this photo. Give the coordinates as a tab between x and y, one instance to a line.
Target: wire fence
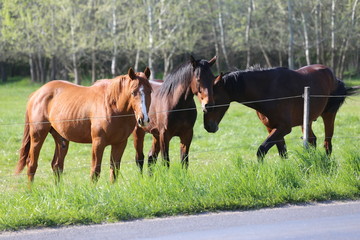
169	111
4	179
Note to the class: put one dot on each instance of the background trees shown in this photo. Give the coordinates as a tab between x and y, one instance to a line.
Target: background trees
63	39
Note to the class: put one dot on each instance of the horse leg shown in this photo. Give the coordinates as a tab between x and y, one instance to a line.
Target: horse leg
61	149
329	119
281	145
97	153
276	136
138	135
153	153
37	137
115	159
164	148
185	141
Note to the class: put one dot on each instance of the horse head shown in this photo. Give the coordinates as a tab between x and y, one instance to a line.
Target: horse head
203	81
222	101
140	95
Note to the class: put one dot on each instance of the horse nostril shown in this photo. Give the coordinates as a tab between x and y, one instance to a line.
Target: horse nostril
140	122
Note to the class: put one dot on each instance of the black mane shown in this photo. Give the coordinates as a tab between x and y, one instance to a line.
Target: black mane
234	80
181	75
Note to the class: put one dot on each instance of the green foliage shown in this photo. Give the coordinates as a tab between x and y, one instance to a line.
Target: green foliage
88	34
223	174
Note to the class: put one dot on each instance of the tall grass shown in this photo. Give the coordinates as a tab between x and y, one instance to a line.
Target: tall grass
223	174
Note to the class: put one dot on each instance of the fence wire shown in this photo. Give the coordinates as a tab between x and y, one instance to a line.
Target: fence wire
169	111
4	179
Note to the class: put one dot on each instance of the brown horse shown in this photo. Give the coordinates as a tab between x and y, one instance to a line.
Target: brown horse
282	109
102	114
173	110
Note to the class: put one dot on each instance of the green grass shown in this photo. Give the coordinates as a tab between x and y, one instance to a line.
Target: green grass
223	174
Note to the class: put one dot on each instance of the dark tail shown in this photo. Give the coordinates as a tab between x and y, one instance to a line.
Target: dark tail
24	150
338	96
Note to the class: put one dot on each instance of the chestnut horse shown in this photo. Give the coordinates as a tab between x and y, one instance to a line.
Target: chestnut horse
173	110
102	114
282	109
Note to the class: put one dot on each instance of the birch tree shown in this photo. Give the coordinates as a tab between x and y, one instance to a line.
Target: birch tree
332	29
350	33
291	36
247	33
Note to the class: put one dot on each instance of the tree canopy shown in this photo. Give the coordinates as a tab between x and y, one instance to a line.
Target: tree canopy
70	39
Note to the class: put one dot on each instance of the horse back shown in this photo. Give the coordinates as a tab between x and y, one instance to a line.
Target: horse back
67	108
321	79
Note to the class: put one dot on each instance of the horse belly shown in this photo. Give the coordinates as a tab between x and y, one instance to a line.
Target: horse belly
74	130
181	121
71	122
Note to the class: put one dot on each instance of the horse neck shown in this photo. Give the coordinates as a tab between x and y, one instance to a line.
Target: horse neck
235	88
180	92
245	86
118	97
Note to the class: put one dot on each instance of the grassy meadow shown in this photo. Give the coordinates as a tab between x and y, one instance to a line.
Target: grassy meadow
223	174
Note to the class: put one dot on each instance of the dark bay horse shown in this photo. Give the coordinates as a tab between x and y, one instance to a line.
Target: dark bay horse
173	110
102	114
282	109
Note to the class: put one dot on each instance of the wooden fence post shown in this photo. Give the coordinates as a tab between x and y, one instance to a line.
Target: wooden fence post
306	116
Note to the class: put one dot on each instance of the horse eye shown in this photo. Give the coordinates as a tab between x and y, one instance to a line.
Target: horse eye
133	93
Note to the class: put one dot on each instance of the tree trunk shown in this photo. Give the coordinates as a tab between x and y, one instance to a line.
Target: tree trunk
317	34
332	48
53	55
291	37
53	68
41	65
222	35
247	34
94	26
113	33
151	40
216	44
75	69
266	57
37	69
74	59
167	61
137	59
321	35
306	39
3	72
93	66
32	68
349	35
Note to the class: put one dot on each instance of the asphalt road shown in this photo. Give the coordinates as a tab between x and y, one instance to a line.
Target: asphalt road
335	220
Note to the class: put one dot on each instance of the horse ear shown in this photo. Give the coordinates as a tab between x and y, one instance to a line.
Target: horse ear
193	61
147	72
131	73
218	79
212	61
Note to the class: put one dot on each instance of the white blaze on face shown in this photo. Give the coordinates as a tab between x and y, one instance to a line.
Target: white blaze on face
143	105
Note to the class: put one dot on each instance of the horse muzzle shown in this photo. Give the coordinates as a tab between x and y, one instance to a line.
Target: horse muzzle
143	122
211	127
